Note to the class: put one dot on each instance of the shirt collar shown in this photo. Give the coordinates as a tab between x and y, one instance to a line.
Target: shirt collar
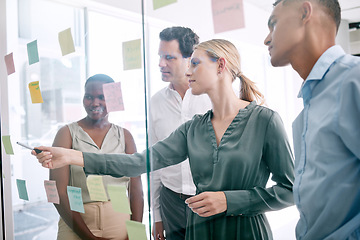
322	65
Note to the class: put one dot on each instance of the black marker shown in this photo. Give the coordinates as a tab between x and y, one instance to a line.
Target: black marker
28	147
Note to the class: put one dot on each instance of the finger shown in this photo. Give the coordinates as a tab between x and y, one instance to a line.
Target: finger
46	164
200	210
46	156
206	214
194	199
44	148
198	204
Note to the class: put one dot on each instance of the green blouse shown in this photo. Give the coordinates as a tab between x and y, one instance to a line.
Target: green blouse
254	145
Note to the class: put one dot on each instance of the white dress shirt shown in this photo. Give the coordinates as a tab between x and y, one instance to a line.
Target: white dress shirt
167	112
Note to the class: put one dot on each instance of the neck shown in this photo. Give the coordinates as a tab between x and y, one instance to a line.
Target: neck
225	103
316	43
181	88
91	123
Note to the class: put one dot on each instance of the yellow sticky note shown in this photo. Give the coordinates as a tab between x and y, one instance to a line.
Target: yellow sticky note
7	145
66	42
136	230
35	93
118	198
132	54
96	188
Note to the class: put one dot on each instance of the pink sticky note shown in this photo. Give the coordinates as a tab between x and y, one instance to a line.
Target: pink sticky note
227	15
9	61
113	97
51	191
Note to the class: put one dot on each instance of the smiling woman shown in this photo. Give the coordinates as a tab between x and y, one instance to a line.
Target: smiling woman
94	133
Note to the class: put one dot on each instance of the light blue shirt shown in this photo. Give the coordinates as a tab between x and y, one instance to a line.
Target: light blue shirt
327	150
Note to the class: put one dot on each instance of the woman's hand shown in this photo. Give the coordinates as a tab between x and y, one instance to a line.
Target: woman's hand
207	204
56	157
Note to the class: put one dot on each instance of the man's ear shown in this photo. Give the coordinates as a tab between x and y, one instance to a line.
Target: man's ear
306	11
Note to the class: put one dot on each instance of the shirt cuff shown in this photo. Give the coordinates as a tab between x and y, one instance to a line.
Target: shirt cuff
94	163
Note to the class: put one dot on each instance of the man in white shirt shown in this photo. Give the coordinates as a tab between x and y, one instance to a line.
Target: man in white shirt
170	107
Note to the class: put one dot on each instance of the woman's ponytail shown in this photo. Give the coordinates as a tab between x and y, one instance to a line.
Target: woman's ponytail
249	91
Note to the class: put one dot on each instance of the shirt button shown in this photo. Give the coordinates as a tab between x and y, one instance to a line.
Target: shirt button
300	171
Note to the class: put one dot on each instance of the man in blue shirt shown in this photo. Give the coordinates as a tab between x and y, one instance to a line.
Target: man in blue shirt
327	131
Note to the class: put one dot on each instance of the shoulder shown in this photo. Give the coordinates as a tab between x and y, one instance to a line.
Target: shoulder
65	130
123	131
349	61
158	96
202	117
263	113
63	138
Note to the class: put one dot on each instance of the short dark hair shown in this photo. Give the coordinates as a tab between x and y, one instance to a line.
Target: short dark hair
185	36
332	7
99	78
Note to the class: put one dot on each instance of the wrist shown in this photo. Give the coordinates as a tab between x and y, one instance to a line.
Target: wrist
77	158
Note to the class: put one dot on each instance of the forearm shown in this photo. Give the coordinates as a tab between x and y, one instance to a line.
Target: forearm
116	165
258	200
136	199
137	208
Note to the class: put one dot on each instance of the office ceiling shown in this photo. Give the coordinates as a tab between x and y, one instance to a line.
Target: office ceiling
350	9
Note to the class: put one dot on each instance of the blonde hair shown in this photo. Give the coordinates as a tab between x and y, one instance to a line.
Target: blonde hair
221	48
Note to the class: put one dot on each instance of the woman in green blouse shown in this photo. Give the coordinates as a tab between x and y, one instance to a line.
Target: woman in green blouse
232	150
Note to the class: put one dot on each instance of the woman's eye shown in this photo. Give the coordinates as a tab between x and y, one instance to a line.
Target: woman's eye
195	63
88	97
101	97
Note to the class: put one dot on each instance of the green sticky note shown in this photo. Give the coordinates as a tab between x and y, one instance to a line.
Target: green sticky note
96	188
131	51
136	230
7	145
119	200
66	42
21	186
75	199
162	3
33	54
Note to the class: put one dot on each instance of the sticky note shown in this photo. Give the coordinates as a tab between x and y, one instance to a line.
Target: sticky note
119	200
7	145
66	42
162	3
113	97
136	230
32	51
227	15
75	199
51	191
21	186
96	188
35	92
132	54
9	61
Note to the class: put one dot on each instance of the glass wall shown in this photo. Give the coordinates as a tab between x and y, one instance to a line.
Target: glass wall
99	30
